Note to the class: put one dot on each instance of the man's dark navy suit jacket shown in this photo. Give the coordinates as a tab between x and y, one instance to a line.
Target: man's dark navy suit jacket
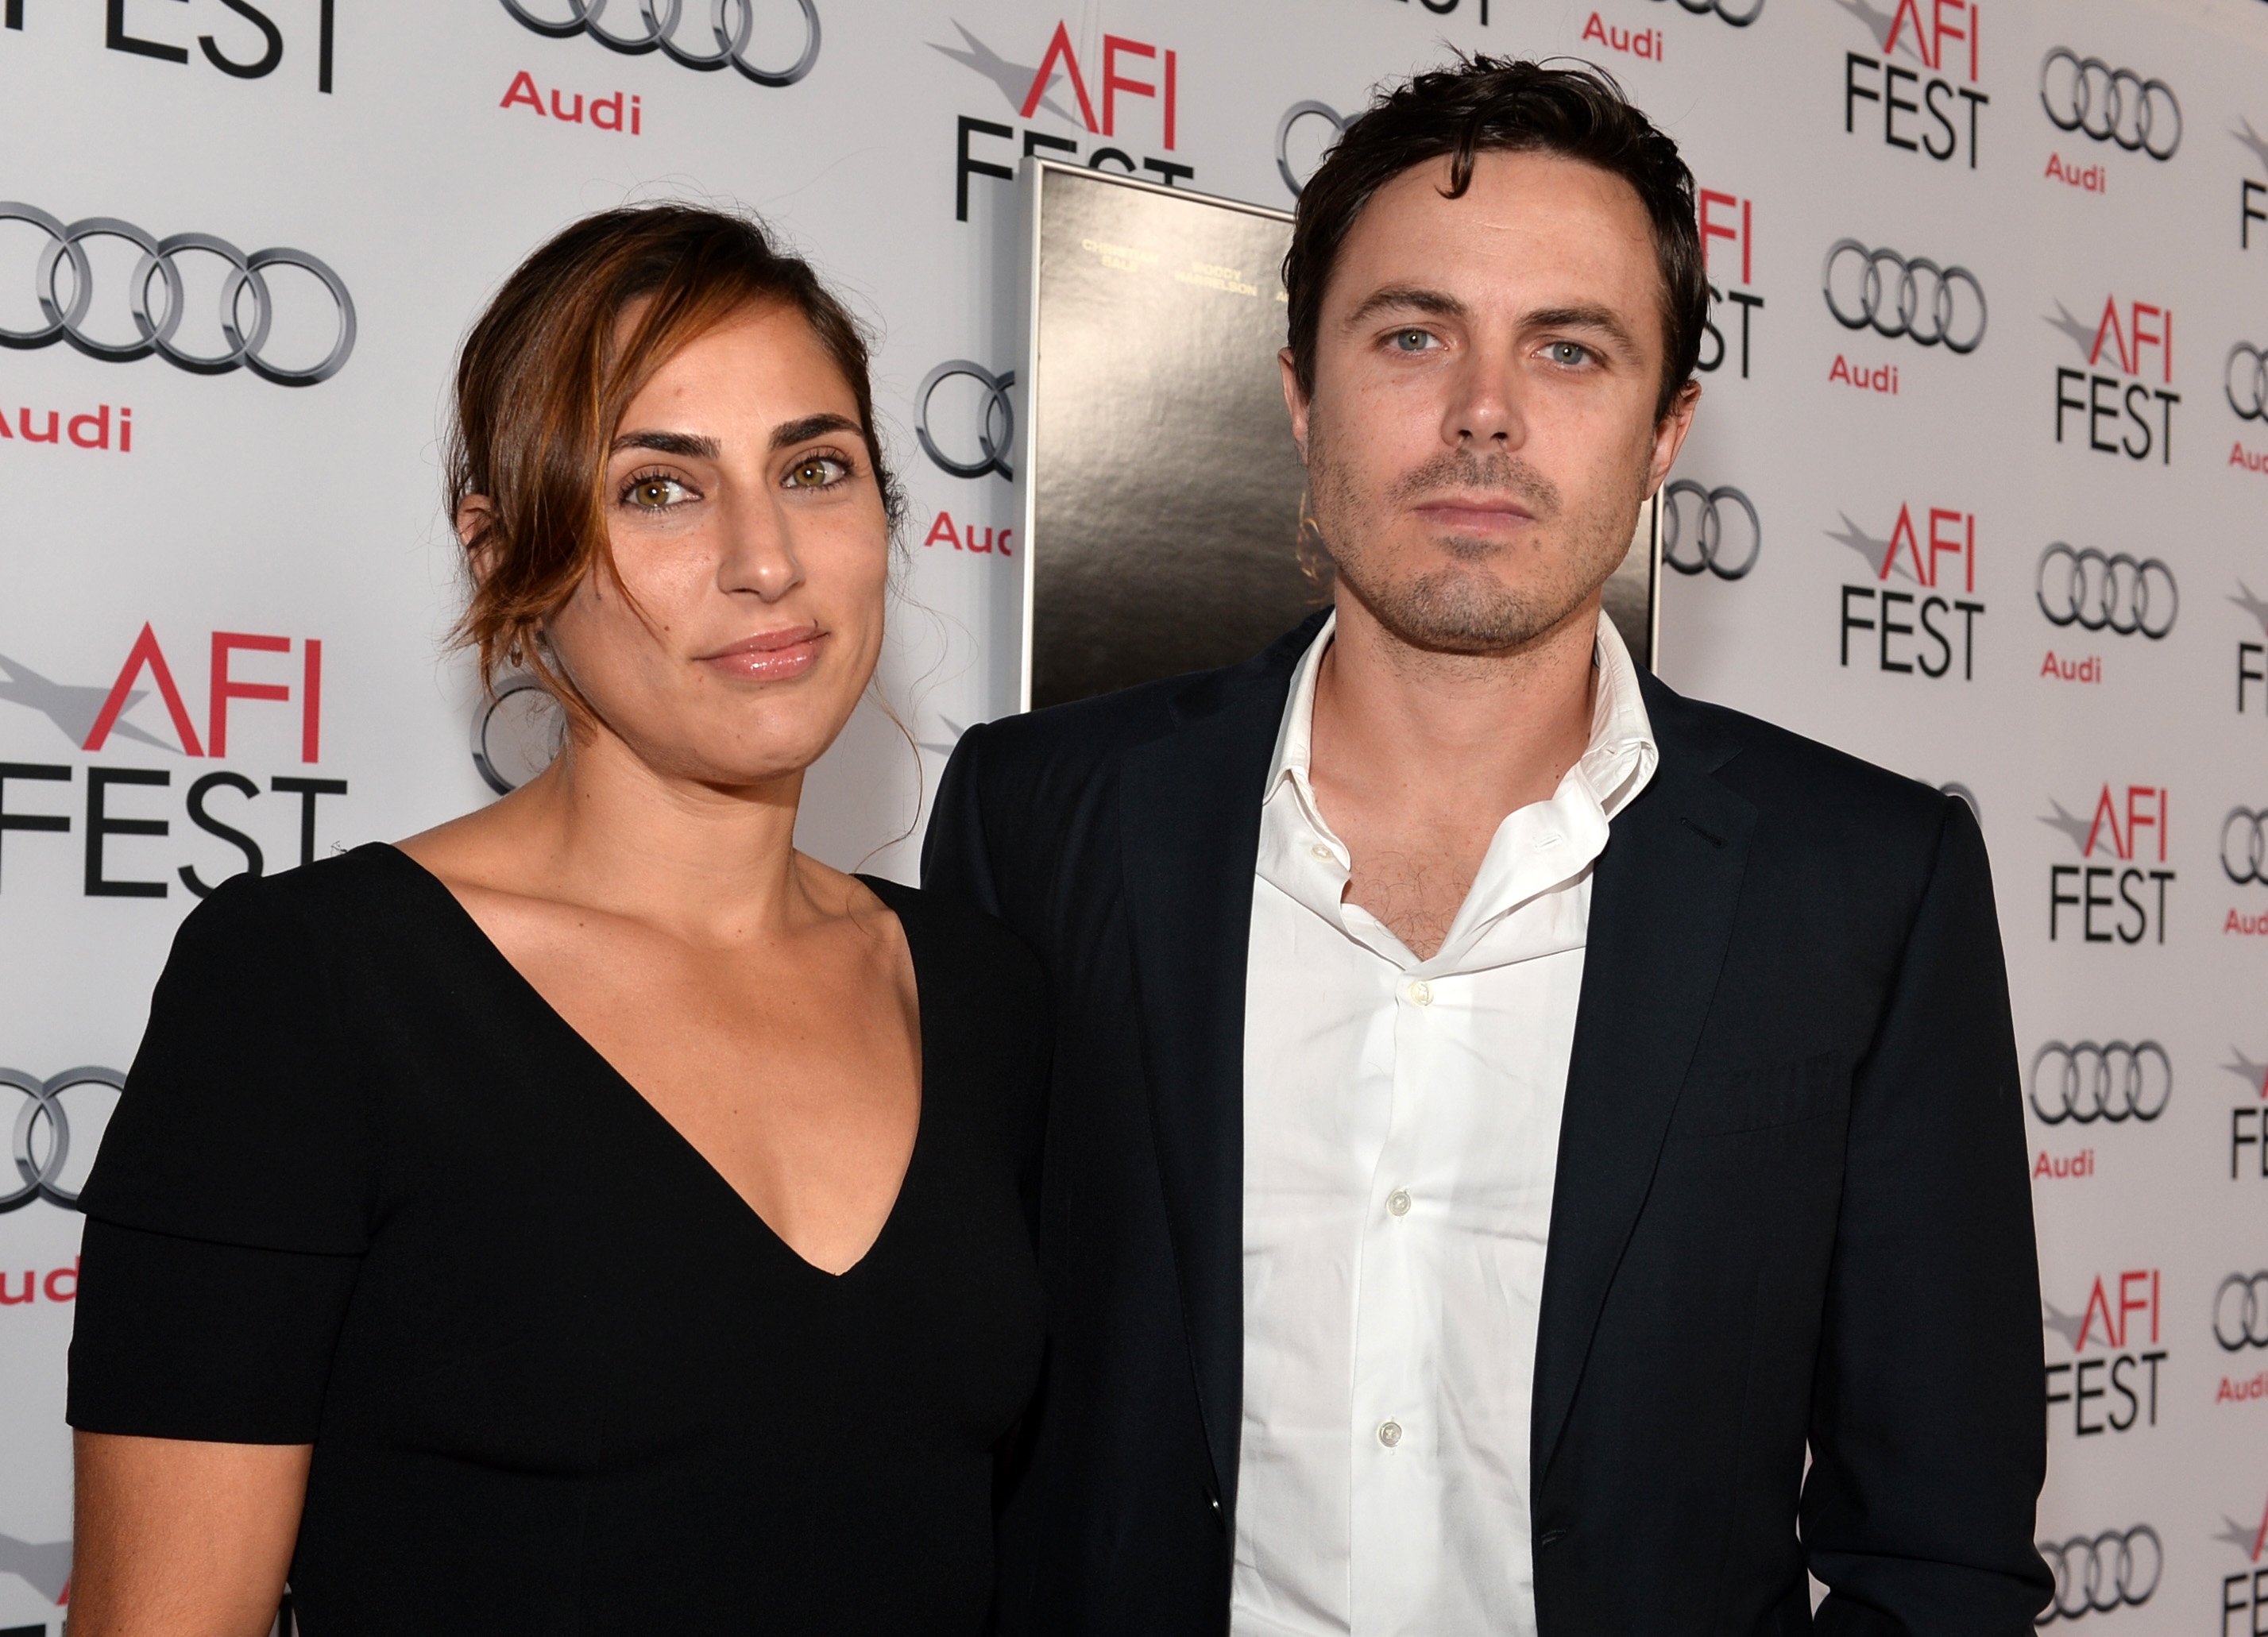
1792	1211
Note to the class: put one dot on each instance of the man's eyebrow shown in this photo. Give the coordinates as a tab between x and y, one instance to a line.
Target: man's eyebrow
691	445
1581	318
1407	299
811	426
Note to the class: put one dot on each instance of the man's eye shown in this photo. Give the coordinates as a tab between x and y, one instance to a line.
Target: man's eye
817	472
655	492
1412	340
1569	352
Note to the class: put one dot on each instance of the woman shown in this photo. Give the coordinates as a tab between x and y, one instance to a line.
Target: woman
591	1215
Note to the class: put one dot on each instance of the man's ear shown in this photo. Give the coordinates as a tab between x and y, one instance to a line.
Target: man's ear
1295	401
1669	436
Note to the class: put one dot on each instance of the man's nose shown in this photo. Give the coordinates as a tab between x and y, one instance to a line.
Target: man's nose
1484	407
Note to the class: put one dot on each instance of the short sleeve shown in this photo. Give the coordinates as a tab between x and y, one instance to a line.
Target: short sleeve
244	1120
229	1206
184	1339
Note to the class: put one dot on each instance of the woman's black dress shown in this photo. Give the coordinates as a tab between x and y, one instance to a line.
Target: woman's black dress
367	1190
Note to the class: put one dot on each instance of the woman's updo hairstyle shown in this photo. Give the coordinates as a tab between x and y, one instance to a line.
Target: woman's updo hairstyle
548	371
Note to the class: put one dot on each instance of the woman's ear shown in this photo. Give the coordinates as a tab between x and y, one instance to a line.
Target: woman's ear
475	514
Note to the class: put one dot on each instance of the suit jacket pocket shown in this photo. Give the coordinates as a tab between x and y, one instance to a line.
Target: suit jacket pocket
1719	1101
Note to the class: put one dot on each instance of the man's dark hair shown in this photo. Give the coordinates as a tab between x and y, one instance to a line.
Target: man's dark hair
1497	105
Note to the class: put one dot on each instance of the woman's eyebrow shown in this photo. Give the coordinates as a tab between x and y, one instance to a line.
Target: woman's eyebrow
691	445
811	426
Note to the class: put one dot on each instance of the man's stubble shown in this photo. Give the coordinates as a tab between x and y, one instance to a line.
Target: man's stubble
1493	598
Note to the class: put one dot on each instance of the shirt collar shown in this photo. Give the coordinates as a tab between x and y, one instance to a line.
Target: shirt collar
1617	764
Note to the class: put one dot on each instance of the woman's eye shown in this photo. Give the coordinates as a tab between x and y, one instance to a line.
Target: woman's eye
1568	353
655	492
817	472
1412	340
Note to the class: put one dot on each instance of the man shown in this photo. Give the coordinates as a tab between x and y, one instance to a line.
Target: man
1507	1116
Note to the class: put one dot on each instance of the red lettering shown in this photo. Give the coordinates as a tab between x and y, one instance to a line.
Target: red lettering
2110	326
311	703
1114	82
523	91
2105	808
145	652
2098	1303
1060	47
1910	9
1904	530
225	687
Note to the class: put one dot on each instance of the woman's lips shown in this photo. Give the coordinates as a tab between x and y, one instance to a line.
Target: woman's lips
770	656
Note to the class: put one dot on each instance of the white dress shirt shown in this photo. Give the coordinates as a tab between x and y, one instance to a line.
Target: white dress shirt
1400	1138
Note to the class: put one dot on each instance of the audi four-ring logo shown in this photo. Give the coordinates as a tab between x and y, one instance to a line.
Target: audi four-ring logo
2247	392
1702	546
2239	1312
2244	845
1293	115
1920	301
2112	592
2086	94
1738	16
156	326
996	427
2113	1081
2095	1574
658	30
40	1134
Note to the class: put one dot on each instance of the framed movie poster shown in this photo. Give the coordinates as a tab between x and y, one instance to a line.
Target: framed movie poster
1165	520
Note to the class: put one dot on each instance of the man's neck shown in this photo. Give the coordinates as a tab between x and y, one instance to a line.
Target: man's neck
1458	735
1416	757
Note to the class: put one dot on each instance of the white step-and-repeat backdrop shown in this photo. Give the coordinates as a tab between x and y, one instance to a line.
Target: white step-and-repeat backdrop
1976	491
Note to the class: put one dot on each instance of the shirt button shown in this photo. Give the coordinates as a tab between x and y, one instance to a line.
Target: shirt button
1322	852
1422	992
1390	1433
1398	1201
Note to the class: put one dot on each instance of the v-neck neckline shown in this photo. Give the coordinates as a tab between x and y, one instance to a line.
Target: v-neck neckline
884	892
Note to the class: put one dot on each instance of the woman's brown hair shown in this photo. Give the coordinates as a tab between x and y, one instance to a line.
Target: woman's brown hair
547	372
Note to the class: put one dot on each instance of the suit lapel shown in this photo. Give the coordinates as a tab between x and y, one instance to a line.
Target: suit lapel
1662	898
1189	842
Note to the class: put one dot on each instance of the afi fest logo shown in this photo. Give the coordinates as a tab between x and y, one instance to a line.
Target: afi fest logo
193	299
2247	1121
2122	846
2123	349
1730	218
118	812
2245	1593
2110	1380
1926	631
248	42
1123	82
770	42
1931	107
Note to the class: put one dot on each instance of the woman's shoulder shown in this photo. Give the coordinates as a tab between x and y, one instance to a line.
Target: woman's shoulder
353	888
